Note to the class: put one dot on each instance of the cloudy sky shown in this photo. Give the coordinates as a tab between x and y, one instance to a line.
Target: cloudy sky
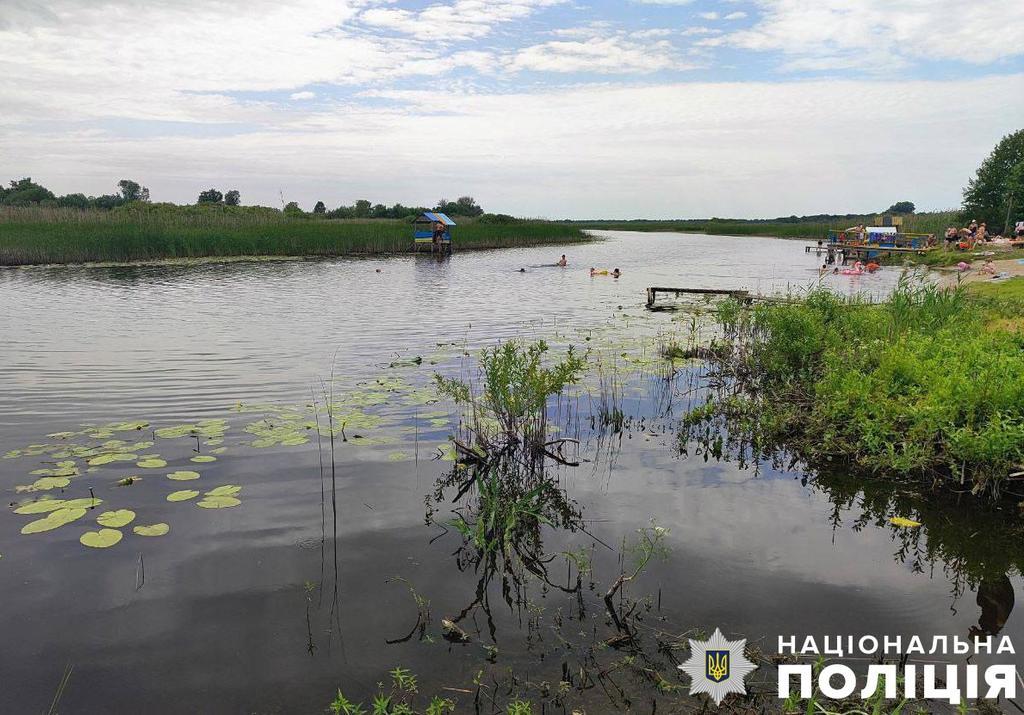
556	108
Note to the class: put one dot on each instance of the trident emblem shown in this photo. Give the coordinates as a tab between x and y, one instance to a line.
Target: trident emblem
717	665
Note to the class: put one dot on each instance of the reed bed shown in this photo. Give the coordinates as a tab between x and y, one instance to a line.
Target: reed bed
43	235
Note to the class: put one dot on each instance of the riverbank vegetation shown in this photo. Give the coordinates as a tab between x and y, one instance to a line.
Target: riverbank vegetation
813	227
147	232
927	385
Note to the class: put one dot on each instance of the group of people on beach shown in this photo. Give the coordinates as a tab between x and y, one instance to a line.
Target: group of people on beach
974	234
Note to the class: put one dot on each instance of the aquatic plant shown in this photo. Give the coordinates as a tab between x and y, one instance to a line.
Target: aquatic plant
508	403
399	699
926	384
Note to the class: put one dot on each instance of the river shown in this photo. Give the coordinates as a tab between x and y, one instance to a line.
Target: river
272	605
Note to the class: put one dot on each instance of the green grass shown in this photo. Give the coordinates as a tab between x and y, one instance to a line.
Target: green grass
34	235
928	384
934	222
1011	289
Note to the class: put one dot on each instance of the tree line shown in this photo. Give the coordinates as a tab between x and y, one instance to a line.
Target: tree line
25	192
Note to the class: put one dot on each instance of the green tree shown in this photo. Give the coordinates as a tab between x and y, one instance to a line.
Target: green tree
233	198
320	208
132	190
292	209
994	195
210	196
75	201
362	208
901	207
24	192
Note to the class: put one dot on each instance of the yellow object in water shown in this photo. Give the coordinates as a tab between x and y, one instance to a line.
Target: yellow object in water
904	522
599	273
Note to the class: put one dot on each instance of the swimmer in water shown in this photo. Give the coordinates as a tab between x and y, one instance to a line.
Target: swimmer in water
616	273
562	262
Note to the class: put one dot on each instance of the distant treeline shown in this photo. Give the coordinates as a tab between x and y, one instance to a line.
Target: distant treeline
131	194
784	227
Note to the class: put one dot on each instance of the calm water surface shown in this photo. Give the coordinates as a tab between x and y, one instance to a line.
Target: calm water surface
272	605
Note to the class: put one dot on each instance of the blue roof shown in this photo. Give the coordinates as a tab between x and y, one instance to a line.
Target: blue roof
437	216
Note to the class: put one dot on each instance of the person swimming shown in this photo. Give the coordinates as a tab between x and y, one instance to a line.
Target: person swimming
595	272
562	263
616	273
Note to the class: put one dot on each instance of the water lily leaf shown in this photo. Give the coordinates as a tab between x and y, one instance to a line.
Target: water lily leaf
125	426
151	463
40	506
112	457
226	490
398	456
116	519
183	475
152	530
294	441
61	435
183	495
53	520
47	483
128	481
83	503
904	522
218	502
58	471
202	458
214	442
219	450
102	539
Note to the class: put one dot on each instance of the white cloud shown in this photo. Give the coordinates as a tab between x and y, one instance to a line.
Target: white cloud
462	19
662	150
738	15
709	15
302	95
662	2
699	30
881	34
605	55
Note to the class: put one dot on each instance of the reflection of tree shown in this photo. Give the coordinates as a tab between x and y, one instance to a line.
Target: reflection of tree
973	542
995	596
500	512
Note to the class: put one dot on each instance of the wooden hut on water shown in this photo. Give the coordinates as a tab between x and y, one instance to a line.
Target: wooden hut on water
433	229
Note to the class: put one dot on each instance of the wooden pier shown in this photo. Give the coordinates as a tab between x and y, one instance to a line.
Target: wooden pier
865	250
652	293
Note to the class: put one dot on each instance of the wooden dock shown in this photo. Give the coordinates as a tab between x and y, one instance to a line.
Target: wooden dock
652	293
866	250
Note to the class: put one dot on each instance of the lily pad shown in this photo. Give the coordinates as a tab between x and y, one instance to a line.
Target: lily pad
102	539
112	457
40	506
904	522
53	520
116	519
183	475
45	483
227	490
203	458
398	456
152	529
218	502
83	503
183	495
151	463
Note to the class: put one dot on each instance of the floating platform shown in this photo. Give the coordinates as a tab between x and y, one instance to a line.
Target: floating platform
652	293
867	250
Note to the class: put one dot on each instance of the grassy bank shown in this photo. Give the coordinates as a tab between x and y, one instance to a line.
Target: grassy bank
928	385
45	235
934	222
